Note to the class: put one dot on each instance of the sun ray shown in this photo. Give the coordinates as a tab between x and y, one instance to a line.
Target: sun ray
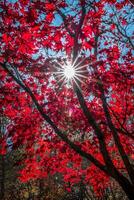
80	80
71	72
61	79
73	64
80	67
77	84
80	71
56	67
64	81
81	75
60	72
80	62
59	75
59	64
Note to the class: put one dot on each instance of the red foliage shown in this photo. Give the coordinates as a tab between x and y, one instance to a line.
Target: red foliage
28	38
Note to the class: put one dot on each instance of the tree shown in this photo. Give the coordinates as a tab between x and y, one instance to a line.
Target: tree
61	119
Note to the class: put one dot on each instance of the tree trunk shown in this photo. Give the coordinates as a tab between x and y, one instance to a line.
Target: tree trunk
129	190
127	187
2	182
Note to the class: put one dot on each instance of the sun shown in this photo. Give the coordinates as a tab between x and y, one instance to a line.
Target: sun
69	72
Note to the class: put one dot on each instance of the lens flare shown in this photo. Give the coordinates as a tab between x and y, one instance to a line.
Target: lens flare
69	72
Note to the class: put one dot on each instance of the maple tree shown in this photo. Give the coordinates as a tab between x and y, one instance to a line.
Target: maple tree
60	125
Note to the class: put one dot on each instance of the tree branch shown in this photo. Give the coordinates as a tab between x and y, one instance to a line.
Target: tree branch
73	146
115	135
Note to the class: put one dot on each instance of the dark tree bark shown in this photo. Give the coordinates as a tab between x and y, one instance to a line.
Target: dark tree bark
2	178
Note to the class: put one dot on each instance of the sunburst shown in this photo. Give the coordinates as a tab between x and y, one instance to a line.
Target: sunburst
69	72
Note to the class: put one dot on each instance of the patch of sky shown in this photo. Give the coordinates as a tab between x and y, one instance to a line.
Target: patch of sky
69	10
130	30
48	53
12	1
41	17
9	141
91	97
57	21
